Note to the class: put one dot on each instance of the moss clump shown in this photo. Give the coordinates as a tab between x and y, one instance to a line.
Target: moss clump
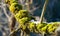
23	17
11	1
31	25
7	1
24	20
21	14
15	7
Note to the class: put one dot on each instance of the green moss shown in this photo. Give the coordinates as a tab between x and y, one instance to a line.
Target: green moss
21	14
24	20
15	7
23	17
11	1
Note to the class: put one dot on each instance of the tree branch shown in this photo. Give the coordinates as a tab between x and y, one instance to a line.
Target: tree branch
35	29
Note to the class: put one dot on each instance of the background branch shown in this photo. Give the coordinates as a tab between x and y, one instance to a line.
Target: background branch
4	8
43	10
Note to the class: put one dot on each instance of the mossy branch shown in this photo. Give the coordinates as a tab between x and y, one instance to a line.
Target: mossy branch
24	18
37	28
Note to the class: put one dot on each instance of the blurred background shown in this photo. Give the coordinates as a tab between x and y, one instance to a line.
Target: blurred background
52	13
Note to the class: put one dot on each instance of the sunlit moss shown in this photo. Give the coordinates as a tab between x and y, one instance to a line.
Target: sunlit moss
21	14
23	17
52	30
15	7
11	1
31	25
23	27
7	1
39	26
23	20
44	29
47	28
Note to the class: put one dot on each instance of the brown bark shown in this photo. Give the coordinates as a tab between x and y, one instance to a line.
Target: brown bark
12	24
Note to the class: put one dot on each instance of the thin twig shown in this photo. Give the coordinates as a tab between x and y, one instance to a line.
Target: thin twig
43	10
5	12
21	33
35	8
14	31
